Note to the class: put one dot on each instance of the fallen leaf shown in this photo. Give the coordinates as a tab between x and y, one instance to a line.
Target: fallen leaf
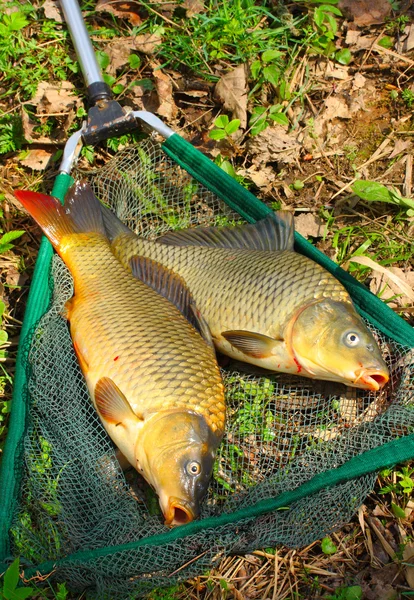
359	81
52	10
275	144
399	282
119	51
408	556
366	12
263	177
36	159
355	38
400	146
120	8
14	278
28	129
336	72
336	107
53	98
193	7
309	225
406	41
147	42
231	90
163	85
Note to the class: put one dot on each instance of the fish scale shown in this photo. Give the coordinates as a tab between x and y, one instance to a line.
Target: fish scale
273	280
134	318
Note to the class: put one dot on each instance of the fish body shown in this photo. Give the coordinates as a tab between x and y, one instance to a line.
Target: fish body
264	303
152	378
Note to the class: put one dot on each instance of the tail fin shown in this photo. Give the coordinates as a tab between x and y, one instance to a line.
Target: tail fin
81	212
113	226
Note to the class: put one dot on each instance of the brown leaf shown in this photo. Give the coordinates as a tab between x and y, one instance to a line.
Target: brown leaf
274	144
119	51
147	42
361	42
309	225
231	90
53	98
28	129
400	146
366	12
406	43
408	556
193	7
403	282
163	85
52	11
120	8
36	159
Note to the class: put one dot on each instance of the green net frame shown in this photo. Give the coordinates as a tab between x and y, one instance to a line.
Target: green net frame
124	569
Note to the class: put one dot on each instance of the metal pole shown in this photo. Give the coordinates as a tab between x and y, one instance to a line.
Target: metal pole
97	88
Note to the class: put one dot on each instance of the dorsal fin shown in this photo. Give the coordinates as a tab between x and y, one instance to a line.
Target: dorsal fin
172	286
273	233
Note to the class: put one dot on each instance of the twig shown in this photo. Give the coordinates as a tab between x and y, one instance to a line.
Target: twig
408	176
402	58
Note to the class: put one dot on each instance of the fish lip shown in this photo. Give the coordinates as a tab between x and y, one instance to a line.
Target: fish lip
372	379
179	512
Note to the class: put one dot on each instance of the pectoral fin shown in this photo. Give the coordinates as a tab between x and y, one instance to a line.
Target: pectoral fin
112	404
172	286
251	343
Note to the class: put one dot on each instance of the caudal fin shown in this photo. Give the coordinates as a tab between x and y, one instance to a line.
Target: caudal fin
81	212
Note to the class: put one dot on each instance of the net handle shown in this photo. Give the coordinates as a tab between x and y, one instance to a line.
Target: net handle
37	303
252	209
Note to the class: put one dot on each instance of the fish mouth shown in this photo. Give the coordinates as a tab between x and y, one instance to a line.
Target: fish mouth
371	380
178	512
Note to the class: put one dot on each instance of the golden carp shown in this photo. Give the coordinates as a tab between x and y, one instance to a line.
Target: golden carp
264	303
153	379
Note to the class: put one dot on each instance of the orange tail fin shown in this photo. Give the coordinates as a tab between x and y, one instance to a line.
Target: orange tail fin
81	212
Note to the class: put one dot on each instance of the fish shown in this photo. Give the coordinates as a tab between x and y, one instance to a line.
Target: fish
146	354
264	303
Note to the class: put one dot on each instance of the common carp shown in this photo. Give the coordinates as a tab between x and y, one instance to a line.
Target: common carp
264	303
153	379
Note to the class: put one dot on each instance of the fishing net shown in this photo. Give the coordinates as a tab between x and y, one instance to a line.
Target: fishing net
100	529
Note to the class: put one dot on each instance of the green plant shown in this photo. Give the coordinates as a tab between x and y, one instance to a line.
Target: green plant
327	546
11	133
267	69
224	127
371	191
326	27
10	591
353	592
408	96
262	117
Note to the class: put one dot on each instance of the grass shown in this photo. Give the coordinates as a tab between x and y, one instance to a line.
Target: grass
281	44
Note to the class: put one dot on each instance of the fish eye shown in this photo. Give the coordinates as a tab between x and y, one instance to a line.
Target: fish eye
193	468
351	339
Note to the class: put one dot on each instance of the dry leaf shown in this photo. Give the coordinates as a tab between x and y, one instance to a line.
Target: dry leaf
336	72
120	8
400	146
147	42
408	556
52	10
263	178
399	282
366	12
53	98
163	85
355	38
274	144
118	51
406	42
193	7
231	90
336	107
359	81
309	225
36	159
28	129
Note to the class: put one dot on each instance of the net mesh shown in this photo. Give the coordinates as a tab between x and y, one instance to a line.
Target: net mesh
281	430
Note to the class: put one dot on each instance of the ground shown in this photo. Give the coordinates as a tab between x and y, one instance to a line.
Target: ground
300	102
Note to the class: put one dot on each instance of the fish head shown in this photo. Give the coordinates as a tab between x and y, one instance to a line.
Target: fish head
330	341
179	449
